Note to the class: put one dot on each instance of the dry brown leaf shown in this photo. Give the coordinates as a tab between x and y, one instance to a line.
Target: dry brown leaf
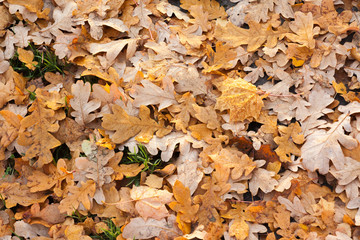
254	37
212	7
81	104
186	211
27	57
16	193
8	130
36	132
78	195
289	136
127	126
150	202
220	58
304	30
239	228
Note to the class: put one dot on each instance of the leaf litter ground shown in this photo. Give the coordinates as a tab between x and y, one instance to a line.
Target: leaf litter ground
144	119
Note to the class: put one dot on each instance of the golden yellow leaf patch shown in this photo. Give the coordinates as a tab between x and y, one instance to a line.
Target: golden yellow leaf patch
240	98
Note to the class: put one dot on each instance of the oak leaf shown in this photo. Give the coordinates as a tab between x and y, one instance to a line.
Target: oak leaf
239	228
76	232
188	79
323	146
96	25
329	19
81	104
239	163
289	136
150	94
63	20
16	193
30	231
254	37
210	202
150	202
240	98
219	59
138	228
53	100
78	195
182	112
126	126
262	179
93	166
214	9
27	57
187	212
129	170
36	132
113	48
304	31
8	130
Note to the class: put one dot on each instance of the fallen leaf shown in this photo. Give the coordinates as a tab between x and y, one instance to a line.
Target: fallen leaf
78	195
128	126
240	98
184	207
36	132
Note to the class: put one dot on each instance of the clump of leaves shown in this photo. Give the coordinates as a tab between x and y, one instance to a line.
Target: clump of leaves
109	234
44	61
142	156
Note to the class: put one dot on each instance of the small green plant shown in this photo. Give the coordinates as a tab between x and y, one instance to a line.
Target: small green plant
10	168
46	60
143	157
77	216
109	234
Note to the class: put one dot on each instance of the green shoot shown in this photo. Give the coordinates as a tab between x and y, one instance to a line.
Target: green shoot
109	234
78	217
10	168
142	157
46	60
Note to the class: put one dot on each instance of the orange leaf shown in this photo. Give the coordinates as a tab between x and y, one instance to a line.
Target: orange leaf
187	212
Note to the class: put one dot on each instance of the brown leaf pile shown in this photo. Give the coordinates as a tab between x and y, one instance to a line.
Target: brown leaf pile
254	112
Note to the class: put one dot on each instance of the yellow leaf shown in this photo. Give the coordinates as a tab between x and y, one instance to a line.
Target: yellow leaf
27	57
219	59
33	5
297	62
211	6
240	98
127	126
